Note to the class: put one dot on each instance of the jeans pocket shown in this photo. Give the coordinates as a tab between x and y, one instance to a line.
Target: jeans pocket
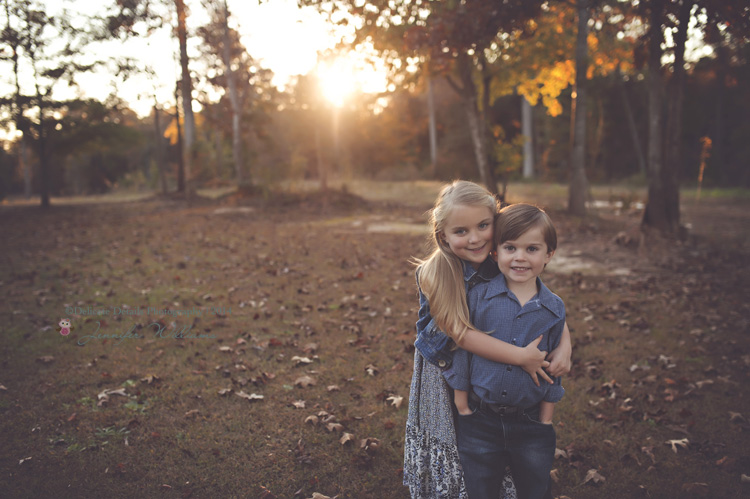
534	418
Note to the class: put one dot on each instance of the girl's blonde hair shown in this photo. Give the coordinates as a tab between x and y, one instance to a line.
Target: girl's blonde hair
441	275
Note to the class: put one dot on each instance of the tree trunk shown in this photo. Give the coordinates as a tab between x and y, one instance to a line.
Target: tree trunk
432	124
322	167
159	150
662	188
527	129
180	152
631	122
187	98
474	117
673	129
234	98
578	180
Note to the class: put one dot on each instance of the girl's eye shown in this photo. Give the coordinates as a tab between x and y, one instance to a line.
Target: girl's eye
483	225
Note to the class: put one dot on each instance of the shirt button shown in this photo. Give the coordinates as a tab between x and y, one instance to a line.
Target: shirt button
441	363
509	368
505	393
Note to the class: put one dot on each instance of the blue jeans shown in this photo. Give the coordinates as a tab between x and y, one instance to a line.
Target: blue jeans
488	442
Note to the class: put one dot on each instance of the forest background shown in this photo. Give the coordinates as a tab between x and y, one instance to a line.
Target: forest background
288	215
652	93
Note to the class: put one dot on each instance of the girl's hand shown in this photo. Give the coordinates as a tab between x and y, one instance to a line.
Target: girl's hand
533	361
559	360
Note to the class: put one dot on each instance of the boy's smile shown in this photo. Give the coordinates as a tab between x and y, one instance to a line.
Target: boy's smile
523	259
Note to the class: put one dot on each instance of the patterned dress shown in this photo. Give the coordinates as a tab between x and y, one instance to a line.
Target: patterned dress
431	465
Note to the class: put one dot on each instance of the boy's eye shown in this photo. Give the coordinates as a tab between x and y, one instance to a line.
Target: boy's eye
533	249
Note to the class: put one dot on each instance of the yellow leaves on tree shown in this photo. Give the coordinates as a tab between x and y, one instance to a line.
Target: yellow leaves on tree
548	84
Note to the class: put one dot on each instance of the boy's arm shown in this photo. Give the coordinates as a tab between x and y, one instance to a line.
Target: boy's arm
528	358
546	409
461	399
559	359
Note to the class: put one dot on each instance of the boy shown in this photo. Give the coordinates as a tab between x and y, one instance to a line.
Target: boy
504	418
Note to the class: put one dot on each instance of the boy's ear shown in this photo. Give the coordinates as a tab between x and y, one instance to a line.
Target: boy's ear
549	256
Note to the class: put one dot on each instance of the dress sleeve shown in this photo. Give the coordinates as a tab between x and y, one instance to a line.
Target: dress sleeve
434	345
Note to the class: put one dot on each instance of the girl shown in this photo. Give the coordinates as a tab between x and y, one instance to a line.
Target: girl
462	223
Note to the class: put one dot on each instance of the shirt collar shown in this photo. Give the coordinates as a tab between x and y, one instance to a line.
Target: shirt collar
487	270
546	298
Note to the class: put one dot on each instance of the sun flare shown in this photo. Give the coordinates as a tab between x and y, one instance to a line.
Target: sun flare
350	74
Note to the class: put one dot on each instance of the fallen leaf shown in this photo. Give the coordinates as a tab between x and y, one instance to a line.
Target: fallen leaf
333	388
192	412
555	475
150	379
675	443
561	453
695	488
20	462
369	444
371	370
744	478
347	437
593	476
331	427
251	397
312	419
304	381
225	349
317	495
225	391
45	359
648	450
395	400
736	416
299	404
300	360
103	397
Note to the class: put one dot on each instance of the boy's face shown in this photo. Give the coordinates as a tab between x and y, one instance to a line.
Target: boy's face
524	259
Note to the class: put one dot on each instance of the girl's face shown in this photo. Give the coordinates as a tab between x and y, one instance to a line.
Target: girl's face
524	259
468	233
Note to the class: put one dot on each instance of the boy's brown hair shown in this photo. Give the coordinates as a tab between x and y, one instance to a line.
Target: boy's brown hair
513	221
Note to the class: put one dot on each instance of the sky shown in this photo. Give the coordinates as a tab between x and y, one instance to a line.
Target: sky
283	37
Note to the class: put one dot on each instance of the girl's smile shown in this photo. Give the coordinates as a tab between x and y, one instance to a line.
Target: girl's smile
468	233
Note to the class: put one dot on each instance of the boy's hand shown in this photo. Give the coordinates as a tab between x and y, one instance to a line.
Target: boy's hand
533	361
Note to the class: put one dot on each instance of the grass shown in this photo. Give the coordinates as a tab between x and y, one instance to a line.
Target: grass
660	354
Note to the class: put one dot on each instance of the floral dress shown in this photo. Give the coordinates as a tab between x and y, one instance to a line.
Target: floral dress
431	465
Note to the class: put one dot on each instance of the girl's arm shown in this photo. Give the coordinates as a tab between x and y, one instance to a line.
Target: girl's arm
559	359
528	358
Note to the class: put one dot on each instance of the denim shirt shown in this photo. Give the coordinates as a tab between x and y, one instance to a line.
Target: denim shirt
434	345
493	307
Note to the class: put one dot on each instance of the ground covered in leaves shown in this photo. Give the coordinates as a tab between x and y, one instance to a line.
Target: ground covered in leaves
249	348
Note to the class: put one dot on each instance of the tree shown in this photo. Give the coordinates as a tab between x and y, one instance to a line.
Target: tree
578	181
453	37
186	91
47	47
